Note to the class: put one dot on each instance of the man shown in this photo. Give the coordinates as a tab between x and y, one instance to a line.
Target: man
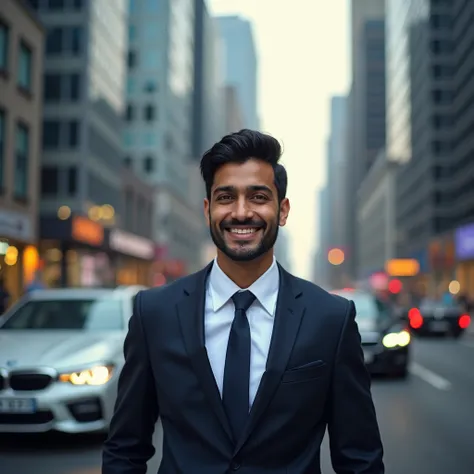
245	364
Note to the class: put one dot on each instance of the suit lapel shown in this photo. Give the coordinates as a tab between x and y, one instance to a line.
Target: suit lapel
288	316
191	318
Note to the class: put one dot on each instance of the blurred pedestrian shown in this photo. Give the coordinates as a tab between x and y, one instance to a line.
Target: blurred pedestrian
246	364
4	296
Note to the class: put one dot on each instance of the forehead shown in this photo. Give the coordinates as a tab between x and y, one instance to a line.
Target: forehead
252	172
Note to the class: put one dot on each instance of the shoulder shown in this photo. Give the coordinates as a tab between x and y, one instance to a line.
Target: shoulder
166	295
314	295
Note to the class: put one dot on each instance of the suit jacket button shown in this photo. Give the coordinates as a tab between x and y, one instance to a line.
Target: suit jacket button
235	466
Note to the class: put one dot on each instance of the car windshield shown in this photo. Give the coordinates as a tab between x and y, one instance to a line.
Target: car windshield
428	304
100	314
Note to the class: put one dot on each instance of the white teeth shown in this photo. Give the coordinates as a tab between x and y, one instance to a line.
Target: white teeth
243	231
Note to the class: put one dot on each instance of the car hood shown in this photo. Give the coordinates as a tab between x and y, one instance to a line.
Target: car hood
57	349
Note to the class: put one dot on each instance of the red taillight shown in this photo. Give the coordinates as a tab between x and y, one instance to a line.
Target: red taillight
415	317
464	321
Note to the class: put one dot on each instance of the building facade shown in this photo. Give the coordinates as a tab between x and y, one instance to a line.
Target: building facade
21	85
460	190
241	65
419	129
158	137
376	224
366	131
209	98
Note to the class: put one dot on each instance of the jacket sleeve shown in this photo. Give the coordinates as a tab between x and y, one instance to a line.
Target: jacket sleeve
354	436
129	444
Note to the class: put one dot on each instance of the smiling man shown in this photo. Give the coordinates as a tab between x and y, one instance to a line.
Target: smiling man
245	364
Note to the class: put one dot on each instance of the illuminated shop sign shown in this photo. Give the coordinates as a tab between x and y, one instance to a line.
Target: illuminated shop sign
132	245
87	231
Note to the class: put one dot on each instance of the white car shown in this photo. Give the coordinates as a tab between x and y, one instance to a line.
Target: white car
61	352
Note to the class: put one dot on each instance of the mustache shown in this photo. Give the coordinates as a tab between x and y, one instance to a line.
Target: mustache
247	222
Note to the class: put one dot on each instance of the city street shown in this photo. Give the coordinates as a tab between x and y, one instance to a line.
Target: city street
427	422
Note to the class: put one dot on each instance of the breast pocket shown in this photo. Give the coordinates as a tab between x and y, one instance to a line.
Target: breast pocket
306	372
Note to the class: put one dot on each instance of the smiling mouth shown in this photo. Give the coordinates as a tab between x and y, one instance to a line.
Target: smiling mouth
242	232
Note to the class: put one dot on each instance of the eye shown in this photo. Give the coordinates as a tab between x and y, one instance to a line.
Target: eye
260	197
224	197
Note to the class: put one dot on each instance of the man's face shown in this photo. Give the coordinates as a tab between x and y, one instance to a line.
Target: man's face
244	212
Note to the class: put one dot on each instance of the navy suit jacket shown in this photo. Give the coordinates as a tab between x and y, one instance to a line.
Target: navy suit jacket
315	379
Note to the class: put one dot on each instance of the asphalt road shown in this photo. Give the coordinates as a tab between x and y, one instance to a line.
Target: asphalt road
427	423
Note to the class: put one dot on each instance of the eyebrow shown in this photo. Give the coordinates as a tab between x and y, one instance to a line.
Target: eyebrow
231	189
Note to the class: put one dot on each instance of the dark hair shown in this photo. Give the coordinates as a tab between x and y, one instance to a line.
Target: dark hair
240	147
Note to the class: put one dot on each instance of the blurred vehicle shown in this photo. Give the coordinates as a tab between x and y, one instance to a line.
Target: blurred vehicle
438	317
61	352
385	338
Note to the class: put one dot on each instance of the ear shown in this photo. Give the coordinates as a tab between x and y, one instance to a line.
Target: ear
284	211
206	211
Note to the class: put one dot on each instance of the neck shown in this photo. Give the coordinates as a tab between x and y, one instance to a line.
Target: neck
244	274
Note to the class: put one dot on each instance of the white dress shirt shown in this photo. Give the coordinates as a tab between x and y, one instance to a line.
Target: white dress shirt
219	315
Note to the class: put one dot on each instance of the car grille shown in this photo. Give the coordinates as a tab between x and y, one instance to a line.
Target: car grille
29	381
26	419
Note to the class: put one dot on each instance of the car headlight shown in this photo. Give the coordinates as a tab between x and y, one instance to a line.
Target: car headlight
394	339
97	375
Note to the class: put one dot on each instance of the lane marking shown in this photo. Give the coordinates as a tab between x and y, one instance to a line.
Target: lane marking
430	377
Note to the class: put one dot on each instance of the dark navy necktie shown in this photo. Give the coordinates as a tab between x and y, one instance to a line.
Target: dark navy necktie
235	392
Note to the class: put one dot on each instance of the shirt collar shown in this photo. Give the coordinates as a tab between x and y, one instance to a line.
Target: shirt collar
265	289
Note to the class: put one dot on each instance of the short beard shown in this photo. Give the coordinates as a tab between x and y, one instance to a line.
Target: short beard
270	235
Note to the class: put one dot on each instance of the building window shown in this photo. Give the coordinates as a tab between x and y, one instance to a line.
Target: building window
76	40
56	4
72	181
49	181
149	113
21	162
150	86
4	35
73	134
54	41
132	60
52	87
149	164
74	87
2	146
24	67
51	134
129	113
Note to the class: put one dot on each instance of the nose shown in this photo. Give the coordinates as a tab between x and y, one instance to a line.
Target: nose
241	210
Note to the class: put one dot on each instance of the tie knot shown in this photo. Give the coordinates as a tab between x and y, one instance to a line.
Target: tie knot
243	299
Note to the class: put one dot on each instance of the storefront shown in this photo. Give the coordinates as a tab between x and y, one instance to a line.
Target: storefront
74	253
18	253
464	247
132	258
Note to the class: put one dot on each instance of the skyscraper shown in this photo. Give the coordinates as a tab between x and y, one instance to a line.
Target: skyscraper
241	69
159	116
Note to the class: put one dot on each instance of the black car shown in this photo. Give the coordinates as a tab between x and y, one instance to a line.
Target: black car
385	338
435	317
